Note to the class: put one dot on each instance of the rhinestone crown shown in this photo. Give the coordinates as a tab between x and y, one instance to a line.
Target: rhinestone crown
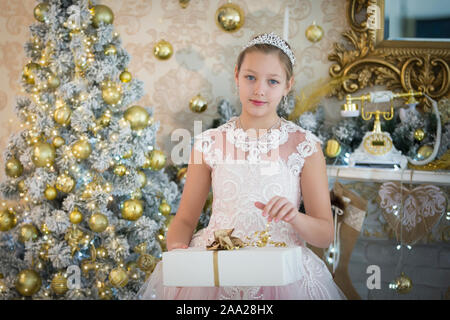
274	40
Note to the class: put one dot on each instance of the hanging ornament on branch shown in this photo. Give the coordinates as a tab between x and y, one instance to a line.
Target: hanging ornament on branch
28	282
138	117
111	92
157	160
43	154
41	11
8	219
13	168
125	76
101	13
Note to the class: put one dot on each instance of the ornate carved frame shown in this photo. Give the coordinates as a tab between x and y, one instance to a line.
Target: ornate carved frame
397	65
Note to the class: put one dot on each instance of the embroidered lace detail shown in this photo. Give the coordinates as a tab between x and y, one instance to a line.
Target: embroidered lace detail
270	140
304	150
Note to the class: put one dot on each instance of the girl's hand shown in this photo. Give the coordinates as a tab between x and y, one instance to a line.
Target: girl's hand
177	245
278	208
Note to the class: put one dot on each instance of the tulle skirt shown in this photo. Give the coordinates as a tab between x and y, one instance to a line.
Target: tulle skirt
316	284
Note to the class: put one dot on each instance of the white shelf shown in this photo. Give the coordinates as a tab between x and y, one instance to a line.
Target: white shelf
383	175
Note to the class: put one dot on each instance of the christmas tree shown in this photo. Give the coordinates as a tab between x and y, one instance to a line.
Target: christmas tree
88	198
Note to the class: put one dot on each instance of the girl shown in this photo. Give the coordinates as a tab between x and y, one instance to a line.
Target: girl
259	166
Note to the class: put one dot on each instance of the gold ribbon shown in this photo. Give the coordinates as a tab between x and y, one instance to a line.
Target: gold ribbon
223	240
216	268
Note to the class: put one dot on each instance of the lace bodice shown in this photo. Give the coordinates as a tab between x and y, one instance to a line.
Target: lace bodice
245	170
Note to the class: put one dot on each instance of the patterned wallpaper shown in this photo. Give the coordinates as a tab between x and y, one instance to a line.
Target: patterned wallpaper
204	55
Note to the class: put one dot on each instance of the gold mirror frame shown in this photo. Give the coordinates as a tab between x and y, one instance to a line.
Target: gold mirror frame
398	65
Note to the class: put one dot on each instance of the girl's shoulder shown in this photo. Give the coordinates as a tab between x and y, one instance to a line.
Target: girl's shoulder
299	134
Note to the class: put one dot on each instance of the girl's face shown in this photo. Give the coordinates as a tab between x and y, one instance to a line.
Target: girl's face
262	83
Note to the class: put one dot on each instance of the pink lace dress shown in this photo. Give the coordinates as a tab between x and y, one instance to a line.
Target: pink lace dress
245	170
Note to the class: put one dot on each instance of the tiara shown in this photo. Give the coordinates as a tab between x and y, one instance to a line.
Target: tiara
274	40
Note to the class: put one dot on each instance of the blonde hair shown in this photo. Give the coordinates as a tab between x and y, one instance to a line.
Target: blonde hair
268	49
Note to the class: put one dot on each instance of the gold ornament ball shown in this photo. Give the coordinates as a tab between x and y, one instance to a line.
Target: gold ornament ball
59	284
333	148
419	134
424	152
22	186
3	287
111	93
163	50
102	13
62	115
13	168
164	208
53	81
142	178
181	174
29	72
81	149
43	154
157	160
147	163
125	76
184	3
28	282
8	220
65	183
98	222
169	220
403	284
40	11
50	193
314	32
28	232
137	116
120	170
128	155
110	49
101	253
146	262
198	104
118	277
105	293
230	17
58	141
75	216
132	209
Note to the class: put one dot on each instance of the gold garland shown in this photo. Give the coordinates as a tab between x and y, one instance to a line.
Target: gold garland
442	163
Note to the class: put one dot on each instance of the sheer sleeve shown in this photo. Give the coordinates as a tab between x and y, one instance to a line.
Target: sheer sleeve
308	145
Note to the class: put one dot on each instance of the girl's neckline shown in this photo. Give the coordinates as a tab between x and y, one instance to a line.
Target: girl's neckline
235	120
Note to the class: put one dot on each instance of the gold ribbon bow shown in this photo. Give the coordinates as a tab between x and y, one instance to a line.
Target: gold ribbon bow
223	240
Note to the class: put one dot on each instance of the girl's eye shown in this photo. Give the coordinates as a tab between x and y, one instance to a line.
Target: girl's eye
273	81
250	77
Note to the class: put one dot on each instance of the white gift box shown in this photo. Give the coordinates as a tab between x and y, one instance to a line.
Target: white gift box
248	266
